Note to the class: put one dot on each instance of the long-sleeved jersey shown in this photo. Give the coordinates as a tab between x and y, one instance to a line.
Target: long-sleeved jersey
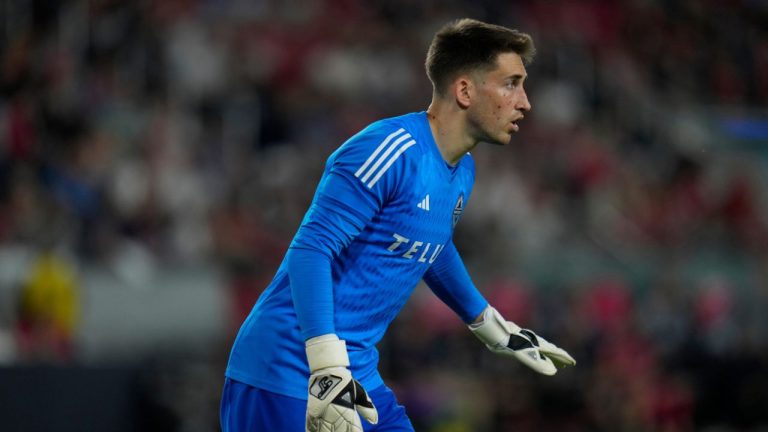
382	219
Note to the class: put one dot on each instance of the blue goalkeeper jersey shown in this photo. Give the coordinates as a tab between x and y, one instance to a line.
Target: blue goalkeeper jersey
383	214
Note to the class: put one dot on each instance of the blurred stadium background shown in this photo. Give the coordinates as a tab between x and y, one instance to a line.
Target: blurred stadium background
157	156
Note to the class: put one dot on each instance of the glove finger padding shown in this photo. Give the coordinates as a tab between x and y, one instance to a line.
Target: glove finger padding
364	405
526	350
335	400
507	338
558	355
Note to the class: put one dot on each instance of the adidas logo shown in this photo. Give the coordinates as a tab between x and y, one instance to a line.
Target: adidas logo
424	204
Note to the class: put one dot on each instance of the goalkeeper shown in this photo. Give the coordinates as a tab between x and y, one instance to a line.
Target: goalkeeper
381	220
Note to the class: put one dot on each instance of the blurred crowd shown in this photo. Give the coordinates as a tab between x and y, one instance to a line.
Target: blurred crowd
627	221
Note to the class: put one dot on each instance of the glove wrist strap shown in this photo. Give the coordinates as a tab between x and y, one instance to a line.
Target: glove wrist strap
326	351
493	329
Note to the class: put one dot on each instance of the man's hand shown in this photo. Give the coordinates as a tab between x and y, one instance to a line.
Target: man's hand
507	338
335	398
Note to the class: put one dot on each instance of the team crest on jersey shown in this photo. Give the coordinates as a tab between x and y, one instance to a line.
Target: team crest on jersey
458	209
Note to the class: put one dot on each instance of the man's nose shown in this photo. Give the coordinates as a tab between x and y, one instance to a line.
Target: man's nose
523	104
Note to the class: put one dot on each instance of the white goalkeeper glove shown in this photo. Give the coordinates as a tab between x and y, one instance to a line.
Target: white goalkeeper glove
335	398
507	338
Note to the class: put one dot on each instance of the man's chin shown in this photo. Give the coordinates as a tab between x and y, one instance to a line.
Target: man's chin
502	140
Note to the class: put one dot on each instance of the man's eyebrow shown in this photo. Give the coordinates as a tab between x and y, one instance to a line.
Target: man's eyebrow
517	77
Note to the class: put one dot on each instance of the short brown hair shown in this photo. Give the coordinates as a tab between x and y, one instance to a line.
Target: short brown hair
466	45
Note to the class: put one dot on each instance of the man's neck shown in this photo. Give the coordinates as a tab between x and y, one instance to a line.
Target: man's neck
449	131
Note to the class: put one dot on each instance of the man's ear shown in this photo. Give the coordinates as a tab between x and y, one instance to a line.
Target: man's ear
463	91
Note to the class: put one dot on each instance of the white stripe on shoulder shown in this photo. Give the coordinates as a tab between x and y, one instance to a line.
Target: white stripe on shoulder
378	150
390	162
384	155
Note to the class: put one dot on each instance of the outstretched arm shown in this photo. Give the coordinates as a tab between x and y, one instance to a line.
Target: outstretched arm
449	280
